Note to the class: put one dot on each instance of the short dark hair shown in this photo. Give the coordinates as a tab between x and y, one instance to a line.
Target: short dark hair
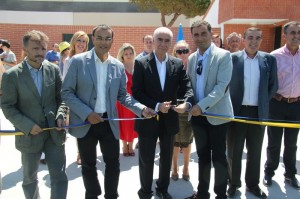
251	29
6	43
35	35
103	27
287	25
201	23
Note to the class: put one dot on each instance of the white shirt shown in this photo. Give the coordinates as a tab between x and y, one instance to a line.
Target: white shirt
200	78
101	70
251	80
162	70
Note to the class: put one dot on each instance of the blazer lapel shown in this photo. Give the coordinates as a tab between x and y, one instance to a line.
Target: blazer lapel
240	70
209	63
91	67
169	71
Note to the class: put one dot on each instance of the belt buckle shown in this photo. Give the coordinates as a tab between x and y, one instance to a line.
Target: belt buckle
288	100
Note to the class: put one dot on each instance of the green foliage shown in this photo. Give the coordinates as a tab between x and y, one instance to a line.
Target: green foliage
189	8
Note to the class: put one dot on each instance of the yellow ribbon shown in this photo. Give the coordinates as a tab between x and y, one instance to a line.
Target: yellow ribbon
275	124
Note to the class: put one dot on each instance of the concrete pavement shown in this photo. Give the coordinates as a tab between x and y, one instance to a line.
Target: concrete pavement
11	171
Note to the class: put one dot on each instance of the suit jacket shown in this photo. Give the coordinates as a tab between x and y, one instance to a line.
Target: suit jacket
217	76
24	107
79	91
146	88
268	83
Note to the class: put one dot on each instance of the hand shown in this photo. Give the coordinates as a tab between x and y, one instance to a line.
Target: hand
36	130
181	108
196	110
94	118
148	112
60	124
164	106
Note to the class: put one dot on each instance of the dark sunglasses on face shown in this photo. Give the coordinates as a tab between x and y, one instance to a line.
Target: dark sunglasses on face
184	51
199	67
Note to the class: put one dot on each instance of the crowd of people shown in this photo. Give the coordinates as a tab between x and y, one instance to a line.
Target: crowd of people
175	94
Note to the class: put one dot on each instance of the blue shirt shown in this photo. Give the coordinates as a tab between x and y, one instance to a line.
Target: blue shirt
52	56
37	77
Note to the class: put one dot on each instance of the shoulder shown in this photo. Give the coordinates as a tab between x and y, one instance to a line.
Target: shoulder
115	61
277	51
266	55
16	69
175	59
219	51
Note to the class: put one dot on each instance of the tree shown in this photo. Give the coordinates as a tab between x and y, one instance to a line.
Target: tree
189	8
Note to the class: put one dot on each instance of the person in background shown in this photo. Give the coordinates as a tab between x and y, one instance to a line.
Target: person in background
184	138
78	44
216	39
285	106
1	50
253	84
233	42
126	55
64	49
53	55
9	58
148	46
31	103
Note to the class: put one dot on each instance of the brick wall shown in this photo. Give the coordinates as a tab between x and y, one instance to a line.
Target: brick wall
262	9
55	33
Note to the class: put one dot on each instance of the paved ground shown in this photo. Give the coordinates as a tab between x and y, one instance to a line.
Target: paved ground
11	171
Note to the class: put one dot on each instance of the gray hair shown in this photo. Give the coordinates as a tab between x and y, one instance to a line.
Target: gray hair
234	34
164	30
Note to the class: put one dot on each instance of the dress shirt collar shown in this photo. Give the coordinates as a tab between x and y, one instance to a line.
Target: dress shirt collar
287	51
205	54
108	61
32	68
247	57
166	59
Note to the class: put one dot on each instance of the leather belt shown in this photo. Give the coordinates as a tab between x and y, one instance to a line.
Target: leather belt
289	100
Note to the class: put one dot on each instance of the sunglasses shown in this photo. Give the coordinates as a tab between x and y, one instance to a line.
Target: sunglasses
184	51
199	67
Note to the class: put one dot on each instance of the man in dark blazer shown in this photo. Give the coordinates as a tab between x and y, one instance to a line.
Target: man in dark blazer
253	84
156	80
32	102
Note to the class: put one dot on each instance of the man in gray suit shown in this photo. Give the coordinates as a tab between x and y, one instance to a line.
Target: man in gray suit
253	84
209	69
93	84
32	102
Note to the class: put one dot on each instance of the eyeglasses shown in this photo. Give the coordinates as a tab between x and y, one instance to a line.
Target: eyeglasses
81	41
184	51
199	68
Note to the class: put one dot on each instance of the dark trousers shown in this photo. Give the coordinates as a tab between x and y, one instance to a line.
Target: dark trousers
211	147
282	111
237	134
147	147
110	148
